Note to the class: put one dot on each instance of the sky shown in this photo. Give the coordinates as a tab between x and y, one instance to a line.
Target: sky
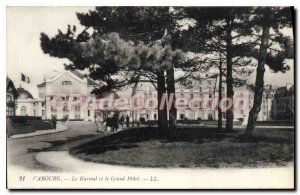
24	54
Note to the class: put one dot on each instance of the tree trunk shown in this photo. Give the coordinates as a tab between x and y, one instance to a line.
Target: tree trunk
229	79
220	96
171	90
162	113
259	82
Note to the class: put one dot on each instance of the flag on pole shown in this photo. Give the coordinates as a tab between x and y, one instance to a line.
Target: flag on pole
25	78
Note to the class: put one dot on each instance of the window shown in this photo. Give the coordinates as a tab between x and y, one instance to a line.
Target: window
65	108
181	116
210	104
241	103
77	108
43	104
66	83
200	89
209	82
34	113
154	116
89	112
8	98
43	112
77	116
23	111
53	108
9	111
66	87
209	95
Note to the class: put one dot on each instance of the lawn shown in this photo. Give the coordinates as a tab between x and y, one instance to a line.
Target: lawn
16	127
197	148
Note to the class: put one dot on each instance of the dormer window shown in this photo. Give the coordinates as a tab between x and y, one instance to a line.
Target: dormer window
66	86
66	83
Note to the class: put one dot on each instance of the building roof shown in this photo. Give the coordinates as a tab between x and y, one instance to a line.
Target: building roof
82	76
24	94
42	84
10	84
79	75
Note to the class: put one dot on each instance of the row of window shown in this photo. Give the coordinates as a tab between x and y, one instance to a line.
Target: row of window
24	111
65	108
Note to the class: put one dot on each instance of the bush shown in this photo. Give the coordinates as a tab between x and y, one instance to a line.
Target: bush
76	120
23	119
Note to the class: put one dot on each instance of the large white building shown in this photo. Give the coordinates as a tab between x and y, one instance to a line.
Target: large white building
60	88
207	92
70	92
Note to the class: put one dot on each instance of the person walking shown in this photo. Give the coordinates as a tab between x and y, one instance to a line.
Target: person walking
122	120
98	122
115	123
127	121
108	123
54	121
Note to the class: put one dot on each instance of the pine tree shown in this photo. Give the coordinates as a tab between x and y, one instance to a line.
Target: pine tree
274	48
135	51
218	31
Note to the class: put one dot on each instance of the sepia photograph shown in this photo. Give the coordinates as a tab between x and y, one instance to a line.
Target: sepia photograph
150	97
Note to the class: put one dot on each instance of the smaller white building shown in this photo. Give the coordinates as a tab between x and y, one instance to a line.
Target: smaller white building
27	105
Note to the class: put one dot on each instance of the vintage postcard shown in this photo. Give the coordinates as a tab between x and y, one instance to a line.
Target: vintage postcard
150	97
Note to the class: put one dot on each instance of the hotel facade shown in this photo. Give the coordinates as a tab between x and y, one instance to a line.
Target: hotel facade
206	94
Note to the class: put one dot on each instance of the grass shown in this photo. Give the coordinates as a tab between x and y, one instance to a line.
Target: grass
206	147
14	128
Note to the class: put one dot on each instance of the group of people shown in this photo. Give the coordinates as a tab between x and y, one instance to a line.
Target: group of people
111	123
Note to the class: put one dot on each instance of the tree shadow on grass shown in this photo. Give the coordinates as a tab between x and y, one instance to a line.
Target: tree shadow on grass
103	149
129	138
215	148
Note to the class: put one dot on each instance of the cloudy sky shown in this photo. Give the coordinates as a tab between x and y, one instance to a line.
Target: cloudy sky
24	54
